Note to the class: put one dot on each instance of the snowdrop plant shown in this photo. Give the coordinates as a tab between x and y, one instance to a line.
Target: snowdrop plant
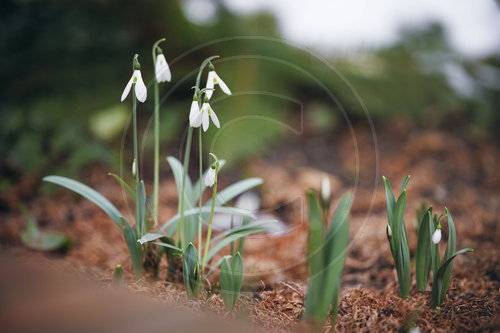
429	238
137	193
231	277
397	236
326	253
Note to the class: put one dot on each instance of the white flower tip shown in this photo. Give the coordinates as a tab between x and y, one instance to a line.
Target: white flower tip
134	168
325	188
436	237
210	178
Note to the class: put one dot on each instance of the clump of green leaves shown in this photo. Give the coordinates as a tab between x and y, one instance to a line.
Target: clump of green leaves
39	240
397	236
326	253
428	256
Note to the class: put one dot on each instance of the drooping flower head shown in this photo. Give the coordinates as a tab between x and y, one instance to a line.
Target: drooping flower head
136	80
162	70
213	79
211	177
195	113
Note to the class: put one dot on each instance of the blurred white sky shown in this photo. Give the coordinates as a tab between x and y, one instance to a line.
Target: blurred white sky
472	26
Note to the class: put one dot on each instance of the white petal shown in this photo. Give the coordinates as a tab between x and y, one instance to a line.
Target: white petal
126	91
212	114
196	120
162	70
205	118
210	178
195	109
140	88
222	84
325	188
436	237
210	83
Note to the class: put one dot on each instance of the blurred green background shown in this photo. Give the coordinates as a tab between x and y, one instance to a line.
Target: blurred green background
64	65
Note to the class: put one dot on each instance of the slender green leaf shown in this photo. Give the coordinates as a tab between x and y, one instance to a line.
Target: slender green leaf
315	243
125	186
178	172
89	194
403	185
234	190
191	270
423	256
206	212
167	245
226	285
39	240
249	225
390	201
222	243
237	270
134	248
142	210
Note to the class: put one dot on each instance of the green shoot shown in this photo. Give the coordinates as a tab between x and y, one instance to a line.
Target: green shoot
397	236
231	276
326	254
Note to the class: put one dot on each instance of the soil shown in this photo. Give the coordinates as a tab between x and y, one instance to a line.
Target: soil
447	169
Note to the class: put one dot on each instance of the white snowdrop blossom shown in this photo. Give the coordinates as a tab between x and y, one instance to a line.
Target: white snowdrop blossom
436	237
195	114
208	113
140	88
210	177
134	169
325	189
212	80
162	70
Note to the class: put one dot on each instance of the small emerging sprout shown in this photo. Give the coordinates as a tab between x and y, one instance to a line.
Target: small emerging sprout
118	277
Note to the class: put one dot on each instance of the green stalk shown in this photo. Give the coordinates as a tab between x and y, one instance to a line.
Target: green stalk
156	182
200	229
136	159
209	233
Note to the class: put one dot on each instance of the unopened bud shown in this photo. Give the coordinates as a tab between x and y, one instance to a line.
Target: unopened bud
388	231
134	168
436	237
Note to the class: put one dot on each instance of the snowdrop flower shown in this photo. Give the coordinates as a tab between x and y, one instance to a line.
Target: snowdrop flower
136	79
206	113
214	79
325	189
436	237
211	176
162	70
195	113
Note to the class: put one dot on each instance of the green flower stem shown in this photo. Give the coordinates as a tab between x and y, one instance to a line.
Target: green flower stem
156	182
200	201
136	159
209	233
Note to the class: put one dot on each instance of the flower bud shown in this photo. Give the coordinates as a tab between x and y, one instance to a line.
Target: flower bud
325	190
388	231
134	168
436	237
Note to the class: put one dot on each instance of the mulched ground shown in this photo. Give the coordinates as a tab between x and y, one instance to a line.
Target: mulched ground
448	169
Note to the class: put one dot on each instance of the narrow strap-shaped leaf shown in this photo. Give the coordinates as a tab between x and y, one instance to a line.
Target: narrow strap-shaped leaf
222	243
234	190
89	194
125	186
423	255
237	270
133	247
438	294
315	243
170	246
404	183
390	201
178	172
226	285
142	209
206	211
190	265
149	237
249	225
